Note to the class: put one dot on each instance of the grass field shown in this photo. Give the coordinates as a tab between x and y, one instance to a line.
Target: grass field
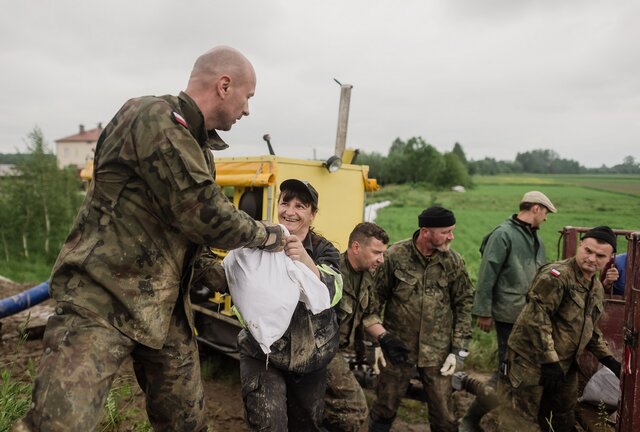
496	198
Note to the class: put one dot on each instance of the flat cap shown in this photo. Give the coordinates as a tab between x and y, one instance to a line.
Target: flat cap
602	233
436	217
536	197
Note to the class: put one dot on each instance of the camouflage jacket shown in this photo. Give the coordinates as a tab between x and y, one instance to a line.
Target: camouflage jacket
311	341
511	255
426	301
151	206
560	318
354	305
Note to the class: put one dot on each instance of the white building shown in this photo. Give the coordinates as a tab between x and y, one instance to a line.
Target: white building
76	149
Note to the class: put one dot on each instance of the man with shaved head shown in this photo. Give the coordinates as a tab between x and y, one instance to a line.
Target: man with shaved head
121	281
221	83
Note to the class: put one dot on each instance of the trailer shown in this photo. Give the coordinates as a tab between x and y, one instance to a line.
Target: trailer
620	325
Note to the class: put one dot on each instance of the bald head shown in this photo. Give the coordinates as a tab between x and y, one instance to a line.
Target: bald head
221	60
221	83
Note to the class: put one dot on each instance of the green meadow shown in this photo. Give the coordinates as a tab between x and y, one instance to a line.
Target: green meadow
582	201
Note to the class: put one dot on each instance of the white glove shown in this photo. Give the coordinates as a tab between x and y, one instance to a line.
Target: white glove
449	365
378	362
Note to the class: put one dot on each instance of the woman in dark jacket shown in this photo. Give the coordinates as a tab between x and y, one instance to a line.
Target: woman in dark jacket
286	390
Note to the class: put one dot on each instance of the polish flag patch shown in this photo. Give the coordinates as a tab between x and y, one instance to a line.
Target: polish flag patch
555	272
179	119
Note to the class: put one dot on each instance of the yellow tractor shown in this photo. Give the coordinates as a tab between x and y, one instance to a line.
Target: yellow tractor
253	183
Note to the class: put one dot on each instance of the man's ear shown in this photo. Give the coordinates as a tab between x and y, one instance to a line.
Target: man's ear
223	84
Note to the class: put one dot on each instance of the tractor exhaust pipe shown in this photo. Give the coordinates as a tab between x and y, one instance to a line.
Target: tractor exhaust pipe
343	117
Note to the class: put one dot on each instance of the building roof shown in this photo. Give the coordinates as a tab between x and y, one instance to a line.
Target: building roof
83	135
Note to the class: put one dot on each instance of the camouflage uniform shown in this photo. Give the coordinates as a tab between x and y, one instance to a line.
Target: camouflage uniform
556	325
122	277
345	404
285	390
427	305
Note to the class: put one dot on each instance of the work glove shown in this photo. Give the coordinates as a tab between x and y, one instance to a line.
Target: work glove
612	364
378	360
551	375
275	238
393	348
449	365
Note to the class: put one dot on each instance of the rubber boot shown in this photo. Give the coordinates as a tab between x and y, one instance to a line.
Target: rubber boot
380	424
471	420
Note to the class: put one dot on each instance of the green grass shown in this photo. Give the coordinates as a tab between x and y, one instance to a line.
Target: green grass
15	399
621	183
15	392
483	351
35	270
120	409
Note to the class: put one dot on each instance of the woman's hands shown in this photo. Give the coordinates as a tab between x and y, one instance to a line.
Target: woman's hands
295	250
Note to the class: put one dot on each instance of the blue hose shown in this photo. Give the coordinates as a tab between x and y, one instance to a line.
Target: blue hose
24	300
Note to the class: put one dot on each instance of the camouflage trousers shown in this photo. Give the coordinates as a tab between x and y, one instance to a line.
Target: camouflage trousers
345	407
528	407
393	384
80	361
277	400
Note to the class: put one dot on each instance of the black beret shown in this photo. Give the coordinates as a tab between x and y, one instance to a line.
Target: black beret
602	233
436	217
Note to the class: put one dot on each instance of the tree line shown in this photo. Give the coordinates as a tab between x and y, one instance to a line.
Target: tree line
37	203
416	161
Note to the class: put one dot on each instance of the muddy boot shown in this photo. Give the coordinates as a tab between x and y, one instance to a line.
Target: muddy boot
380	424
471	420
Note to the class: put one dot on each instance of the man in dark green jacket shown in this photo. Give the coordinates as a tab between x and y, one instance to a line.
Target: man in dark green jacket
511	255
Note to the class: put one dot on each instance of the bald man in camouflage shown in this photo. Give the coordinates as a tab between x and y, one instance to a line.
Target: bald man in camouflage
122	278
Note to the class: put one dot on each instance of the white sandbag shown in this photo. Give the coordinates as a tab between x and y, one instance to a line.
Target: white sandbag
266	288
604	386
313	293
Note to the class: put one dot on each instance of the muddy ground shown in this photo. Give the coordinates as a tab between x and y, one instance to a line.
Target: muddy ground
220	377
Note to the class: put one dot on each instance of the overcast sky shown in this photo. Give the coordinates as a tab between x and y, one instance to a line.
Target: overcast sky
497	76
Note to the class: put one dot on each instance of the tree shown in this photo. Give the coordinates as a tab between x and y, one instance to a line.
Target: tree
458	151
490	166
38	204
454	173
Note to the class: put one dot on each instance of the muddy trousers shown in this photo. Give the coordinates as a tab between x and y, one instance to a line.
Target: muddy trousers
277	401
531	408
80	361
345	407
479	407
392	387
